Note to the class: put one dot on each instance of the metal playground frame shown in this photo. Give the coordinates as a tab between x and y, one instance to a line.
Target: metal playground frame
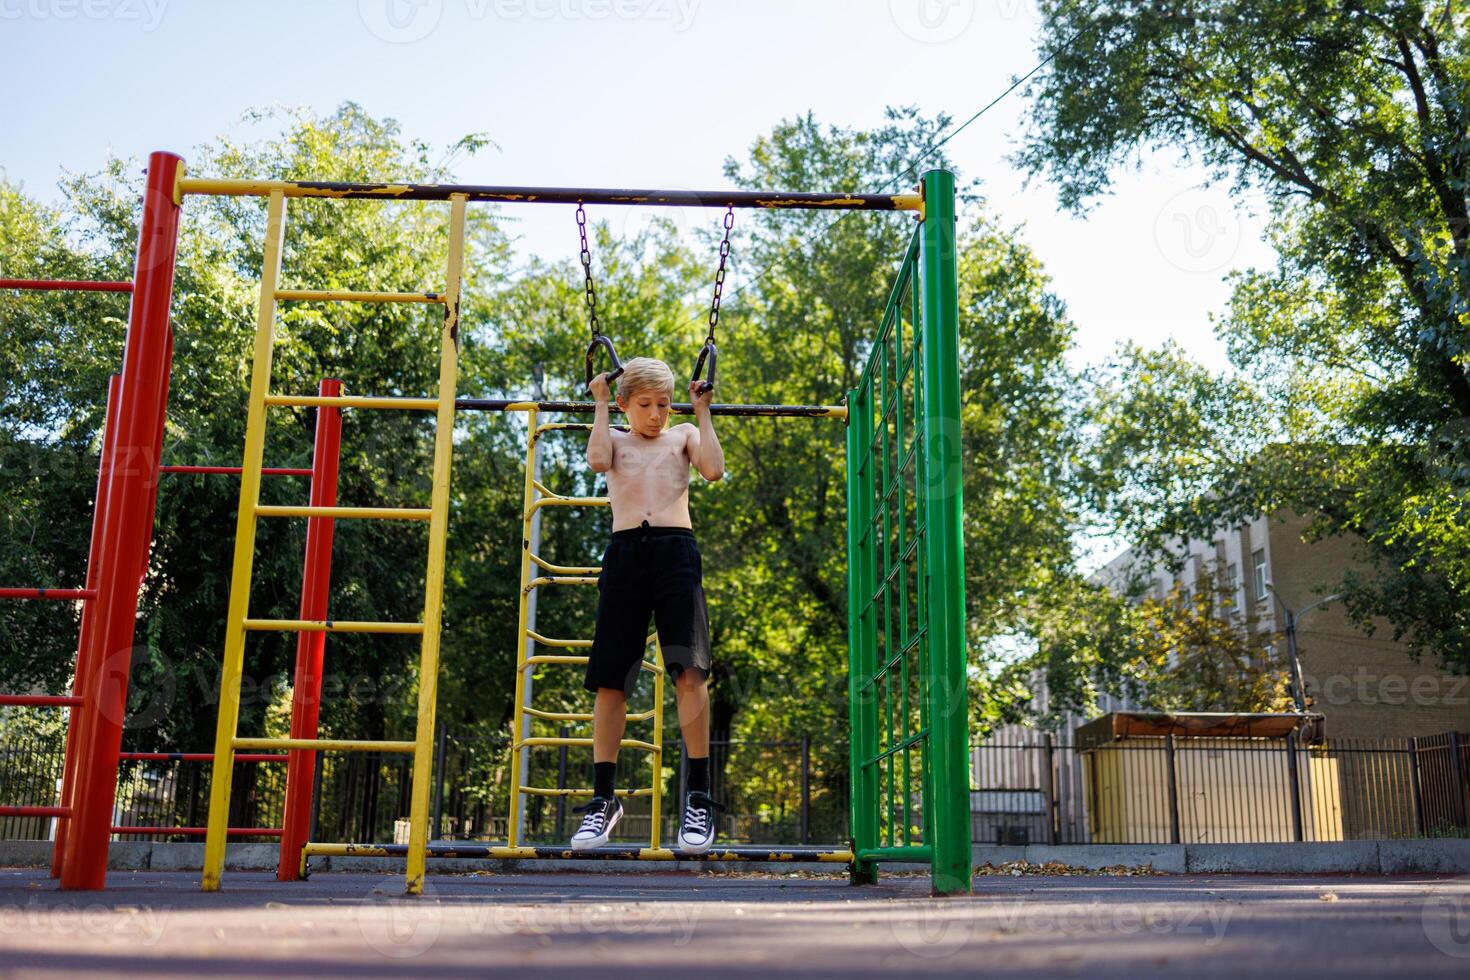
907	682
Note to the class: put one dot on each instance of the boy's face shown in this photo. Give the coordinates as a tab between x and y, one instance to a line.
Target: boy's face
647	411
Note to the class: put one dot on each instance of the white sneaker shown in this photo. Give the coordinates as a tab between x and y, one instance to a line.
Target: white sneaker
603	814
697	830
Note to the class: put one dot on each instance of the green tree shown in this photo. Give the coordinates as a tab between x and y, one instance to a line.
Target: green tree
1349	397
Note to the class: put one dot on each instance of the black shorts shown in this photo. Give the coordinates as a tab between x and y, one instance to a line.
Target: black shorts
648	571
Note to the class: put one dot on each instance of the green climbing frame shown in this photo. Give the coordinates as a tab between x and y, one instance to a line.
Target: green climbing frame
906	588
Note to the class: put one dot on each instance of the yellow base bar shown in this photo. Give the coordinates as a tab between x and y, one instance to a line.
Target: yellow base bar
553	658
548	641
330	626
370	513
502	852
569	502
320	744
356	296
565	569
354	401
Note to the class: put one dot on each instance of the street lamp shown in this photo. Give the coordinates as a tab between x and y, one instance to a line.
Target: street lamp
1298	689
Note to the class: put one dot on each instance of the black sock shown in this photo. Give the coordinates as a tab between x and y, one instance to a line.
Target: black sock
602	778
699	774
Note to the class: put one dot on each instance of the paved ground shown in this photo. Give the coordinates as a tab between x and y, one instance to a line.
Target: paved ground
667	924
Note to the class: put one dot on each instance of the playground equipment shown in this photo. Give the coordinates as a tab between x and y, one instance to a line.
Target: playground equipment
905	579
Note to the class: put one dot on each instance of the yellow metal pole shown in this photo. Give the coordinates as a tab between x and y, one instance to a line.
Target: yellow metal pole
423	756
657	756
234	657
528	499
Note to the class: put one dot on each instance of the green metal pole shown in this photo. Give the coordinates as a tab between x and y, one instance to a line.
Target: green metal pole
862	792
948	821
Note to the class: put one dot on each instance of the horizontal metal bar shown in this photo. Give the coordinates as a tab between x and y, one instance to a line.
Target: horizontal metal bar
912	740
566	569
329	626
678	408
40	700
552	658
611	852
235	470
321	744
551	641
355	296
630	743
193	757
537	583
915	852
24	593
581	715
553	791
520	194
68	285
61	812
198	831
354	401
540	502
364	513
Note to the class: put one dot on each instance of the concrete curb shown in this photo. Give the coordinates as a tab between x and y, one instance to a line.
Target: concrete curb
1438	855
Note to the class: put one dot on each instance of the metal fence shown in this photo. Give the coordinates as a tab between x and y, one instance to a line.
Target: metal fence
772	789
1159	790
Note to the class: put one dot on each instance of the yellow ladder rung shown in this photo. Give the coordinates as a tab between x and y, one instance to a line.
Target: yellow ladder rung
580	715
546	491
356	296
628	743
551	658
354	401
369	513
547	641
566	569
567	502
329	626
537	583
589	791
321	744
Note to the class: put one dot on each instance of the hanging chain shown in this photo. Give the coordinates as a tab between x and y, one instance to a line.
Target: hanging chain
587	270
714	306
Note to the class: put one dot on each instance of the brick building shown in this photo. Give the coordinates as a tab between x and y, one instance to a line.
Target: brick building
1366	685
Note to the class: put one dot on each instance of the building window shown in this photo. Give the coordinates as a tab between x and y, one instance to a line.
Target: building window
1232	587
1258	559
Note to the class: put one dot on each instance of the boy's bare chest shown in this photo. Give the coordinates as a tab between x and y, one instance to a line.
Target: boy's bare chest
664	458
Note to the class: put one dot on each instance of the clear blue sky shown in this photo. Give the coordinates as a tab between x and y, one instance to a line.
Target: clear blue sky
615	92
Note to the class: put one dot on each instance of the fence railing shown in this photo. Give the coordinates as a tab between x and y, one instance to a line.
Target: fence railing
1035	789
1159	790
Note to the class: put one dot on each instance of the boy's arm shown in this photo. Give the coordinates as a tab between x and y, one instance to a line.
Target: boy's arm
599	444
703	445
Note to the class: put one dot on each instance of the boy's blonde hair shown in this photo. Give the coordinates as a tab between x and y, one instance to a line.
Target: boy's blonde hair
645	374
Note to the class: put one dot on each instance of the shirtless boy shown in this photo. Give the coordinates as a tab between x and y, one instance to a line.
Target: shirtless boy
651	567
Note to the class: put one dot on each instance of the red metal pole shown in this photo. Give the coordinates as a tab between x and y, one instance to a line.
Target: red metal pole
71	764
131	477
316	579
80	285
234	470
40	700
